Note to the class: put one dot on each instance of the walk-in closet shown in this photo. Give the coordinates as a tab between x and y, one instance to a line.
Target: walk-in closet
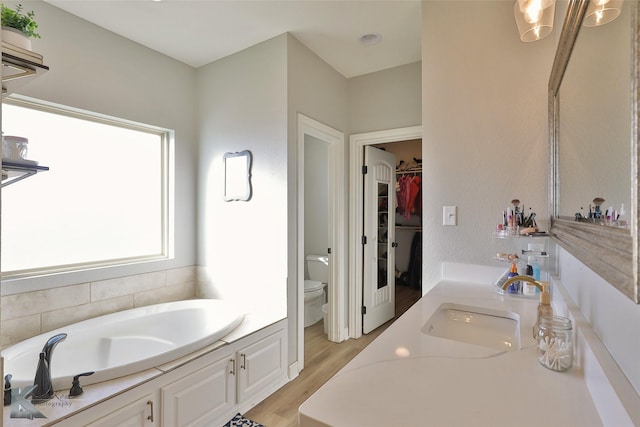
408	218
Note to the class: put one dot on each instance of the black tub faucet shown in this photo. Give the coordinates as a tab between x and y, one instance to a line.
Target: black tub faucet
42	380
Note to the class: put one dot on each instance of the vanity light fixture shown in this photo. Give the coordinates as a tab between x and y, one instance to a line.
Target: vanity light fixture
600	12
534	18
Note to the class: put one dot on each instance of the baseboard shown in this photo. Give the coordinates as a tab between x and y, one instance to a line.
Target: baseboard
293	370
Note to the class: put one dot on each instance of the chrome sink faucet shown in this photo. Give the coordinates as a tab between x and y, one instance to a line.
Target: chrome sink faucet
42	381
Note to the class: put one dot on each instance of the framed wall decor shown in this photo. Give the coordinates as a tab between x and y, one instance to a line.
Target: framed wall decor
237	176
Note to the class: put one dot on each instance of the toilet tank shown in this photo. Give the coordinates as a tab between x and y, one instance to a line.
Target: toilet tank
318	266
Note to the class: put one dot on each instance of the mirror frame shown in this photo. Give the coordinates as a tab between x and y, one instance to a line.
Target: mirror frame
237	176
610	252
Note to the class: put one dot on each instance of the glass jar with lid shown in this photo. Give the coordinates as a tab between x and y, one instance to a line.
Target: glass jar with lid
14	147
555	343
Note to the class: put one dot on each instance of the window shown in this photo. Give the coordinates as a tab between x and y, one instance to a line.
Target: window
104	200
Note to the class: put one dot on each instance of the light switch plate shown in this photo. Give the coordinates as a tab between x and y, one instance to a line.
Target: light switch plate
449	215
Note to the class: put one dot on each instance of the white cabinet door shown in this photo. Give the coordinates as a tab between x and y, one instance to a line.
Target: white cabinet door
260	365
201	397
140	413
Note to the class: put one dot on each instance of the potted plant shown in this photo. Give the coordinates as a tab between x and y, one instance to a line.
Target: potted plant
18	27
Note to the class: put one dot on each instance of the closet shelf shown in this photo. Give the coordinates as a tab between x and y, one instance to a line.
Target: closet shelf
17	171
409	227
408	171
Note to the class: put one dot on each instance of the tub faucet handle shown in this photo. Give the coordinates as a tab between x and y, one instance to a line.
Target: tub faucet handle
76	389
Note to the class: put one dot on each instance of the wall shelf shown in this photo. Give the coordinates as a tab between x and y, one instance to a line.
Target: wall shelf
17	171
19	70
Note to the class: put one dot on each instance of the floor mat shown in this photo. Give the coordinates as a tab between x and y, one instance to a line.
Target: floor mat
240	421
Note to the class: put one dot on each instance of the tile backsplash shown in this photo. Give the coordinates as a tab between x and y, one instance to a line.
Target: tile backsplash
28	314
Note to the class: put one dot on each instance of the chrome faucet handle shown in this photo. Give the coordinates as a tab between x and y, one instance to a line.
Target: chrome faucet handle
76	388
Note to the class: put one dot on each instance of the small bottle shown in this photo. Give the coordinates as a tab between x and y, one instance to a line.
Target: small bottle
536	272
513	288
536	275
529	289
622	218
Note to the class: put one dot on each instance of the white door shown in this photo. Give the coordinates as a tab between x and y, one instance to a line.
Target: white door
378	293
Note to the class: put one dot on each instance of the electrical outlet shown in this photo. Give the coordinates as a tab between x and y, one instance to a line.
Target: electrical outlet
449	215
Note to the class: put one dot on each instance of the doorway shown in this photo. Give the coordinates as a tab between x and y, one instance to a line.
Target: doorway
356	212
408	218
333	140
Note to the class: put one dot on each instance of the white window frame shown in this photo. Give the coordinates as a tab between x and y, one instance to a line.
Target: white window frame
131	264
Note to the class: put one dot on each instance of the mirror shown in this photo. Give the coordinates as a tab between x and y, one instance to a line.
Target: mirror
237	176
595	124
593	133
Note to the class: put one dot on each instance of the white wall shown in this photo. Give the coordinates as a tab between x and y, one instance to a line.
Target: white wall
242	105
96	70
319	92
484	124
387	99
613	316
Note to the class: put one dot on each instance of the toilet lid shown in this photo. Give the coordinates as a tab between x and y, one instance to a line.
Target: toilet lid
312	285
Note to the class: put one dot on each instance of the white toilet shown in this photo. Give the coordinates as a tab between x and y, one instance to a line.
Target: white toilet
318	266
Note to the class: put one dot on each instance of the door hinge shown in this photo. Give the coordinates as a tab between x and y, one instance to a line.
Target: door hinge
364	240
329	251
364	170
364	309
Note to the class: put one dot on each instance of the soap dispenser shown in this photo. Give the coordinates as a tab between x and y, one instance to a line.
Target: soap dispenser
544	307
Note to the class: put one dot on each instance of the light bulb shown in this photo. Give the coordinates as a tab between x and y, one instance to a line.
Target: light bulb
533	11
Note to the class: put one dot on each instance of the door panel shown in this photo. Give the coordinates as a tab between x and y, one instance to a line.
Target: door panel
378	294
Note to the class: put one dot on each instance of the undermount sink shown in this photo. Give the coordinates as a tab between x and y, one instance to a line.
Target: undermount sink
475	325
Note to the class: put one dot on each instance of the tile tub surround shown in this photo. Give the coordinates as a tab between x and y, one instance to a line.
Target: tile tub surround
28	314
451	383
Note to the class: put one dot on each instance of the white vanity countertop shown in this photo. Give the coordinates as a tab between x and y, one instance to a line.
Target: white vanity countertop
407	378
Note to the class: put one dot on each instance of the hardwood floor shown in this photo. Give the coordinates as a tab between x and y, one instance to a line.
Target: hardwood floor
322	360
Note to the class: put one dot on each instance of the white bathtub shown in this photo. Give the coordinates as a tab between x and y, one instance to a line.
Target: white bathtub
123	343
